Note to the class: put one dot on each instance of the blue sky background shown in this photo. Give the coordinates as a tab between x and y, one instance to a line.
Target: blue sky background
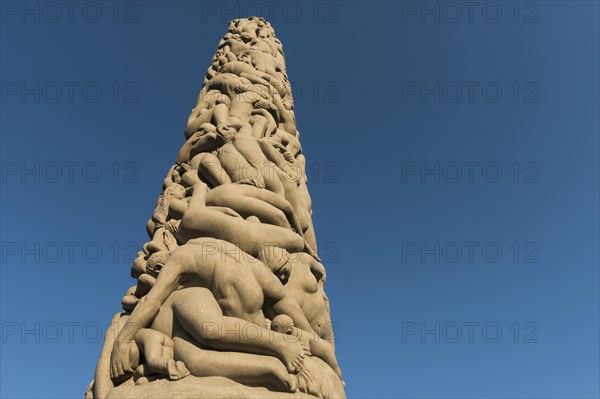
390	232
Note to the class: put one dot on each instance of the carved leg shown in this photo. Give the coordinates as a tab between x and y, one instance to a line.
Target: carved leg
210	169
202	318
249	200
244	368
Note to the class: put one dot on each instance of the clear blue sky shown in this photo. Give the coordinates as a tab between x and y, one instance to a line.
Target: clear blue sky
453	164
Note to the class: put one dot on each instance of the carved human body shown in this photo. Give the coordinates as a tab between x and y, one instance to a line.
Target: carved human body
240	286
232	248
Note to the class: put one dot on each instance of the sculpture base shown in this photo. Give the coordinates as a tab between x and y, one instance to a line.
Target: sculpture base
198	388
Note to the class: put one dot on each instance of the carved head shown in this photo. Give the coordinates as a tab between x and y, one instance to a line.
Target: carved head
225	133
283	324
177	191
156	262
276	259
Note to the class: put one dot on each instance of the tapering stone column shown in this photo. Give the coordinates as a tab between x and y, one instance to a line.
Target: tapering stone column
229	298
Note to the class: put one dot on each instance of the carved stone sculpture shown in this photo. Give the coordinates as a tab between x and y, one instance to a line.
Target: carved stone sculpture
230	299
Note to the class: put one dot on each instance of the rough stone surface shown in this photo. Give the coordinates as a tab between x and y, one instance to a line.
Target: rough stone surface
199	388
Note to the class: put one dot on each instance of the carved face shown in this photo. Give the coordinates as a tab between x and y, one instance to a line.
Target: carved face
246	58
283	324
264	34
225	133
249	33
156	261
178	191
